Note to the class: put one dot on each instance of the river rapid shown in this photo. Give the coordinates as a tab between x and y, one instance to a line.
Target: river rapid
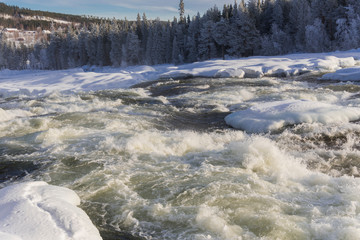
157	161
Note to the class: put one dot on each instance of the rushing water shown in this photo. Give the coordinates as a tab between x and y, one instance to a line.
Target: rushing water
157	161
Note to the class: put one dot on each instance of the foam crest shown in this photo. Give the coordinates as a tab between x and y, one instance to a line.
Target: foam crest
178	143
7	115
208	218
262	156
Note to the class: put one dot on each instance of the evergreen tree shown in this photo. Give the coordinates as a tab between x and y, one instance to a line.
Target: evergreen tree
182	11
220	31
132	49
299	17
316	37
207	48
116	44
243	36
343	35
91	44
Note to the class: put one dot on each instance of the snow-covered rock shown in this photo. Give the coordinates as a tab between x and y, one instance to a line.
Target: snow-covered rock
273	116
36	210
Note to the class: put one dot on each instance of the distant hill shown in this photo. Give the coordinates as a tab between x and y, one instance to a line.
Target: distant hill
27	19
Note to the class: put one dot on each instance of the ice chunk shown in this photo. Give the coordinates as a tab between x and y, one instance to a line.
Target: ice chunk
346	74
273	116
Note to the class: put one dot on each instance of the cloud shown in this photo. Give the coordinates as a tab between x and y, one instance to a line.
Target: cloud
139	5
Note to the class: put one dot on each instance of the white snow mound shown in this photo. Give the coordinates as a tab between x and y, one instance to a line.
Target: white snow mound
346	74
36	210
273	116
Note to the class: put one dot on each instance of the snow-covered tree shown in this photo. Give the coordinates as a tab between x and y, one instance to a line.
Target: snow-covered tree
132	49
316	38
207	48
116	44
220	31
243	37
92	44
299	18
343	35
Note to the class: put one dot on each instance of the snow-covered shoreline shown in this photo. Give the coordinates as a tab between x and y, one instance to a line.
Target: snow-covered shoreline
35	82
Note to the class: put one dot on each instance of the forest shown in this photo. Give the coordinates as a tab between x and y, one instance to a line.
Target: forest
254	27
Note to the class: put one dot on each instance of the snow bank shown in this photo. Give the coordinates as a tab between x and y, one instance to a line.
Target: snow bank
347	74
36	210
273	116
96	78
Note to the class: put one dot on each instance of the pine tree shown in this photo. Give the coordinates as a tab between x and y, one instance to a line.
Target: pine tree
243	37
343	36
299	17
116	44
207	49
132	49
182	11
220	31
316	37
2	50
83	57
92	44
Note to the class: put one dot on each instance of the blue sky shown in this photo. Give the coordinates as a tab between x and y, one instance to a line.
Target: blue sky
165	9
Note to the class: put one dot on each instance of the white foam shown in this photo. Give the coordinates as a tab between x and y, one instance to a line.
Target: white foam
7	115
272	116
176	143
208	219
36	210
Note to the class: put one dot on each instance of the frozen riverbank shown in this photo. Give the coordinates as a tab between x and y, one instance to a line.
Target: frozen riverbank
87	79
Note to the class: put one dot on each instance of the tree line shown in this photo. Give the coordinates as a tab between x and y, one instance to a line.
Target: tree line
257	27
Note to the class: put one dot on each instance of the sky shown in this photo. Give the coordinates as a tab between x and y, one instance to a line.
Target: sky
164	9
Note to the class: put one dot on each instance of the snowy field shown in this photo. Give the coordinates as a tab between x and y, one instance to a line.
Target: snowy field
55	208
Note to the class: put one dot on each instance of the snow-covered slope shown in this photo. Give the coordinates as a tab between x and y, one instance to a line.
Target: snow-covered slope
87	79
36	210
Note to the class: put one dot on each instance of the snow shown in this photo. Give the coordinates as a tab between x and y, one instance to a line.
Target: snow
346	74
273	116
96	78
36	210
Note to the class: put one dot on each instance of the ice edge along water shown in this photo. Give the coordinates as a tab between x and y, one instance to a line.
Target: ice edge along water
56	207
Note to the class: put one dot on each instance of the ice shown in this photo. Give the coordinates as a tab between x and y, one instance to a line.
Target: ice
346	74
272	116
36	210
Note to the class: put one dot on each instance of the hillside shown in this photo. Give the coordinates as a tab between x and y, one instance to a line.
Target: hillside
30	20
